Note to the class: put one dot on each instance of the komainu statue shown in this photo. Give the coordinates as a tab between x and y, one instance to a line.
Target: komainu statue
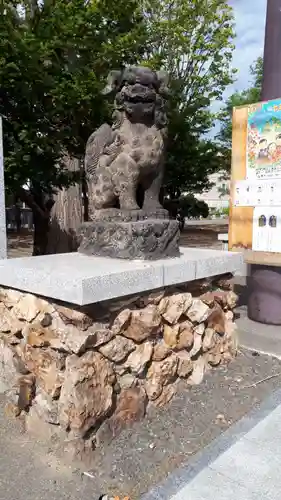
124	165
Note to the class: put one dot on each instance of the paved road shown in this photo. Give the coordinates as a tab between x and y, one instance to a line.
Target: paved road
258	337
249	469
244	463
206	222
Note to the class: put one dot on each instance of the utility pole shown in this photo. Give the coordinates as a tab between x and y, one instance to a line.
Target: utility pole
271	86
264	282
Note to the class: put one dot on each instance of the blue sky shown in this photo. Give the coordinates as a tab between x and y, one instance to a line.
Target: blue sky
249	42
250	24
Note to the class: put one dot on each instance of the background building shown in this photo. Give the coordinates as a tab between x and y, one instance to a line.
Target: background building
218	196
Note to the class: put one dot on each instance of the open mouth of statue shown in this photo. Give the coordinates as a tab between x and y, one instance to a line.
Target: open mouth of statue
141	97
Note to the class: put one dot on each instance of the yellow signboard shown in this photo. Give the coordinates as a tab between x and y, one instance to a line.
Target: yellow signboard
255	208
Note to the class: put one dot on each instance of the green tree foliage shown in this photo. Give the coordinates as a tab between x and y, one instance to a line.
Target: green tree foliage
247	96
193	41
54	56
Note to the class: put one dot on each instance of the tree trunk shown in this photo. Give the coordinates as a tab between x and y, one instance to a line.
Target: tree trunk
40	236
41	219
41	207
66	215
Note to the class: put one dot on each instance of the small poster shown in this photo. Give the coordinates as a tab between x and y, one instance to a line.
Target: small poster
240	194
267	229
257	193
264	141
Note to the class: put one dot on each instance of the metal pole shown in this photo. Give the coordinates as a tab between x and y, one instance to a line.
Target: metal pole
264	282
271	85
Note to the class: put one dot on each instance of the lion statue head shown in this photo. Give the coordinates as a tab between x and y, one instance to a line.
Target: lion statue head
140	94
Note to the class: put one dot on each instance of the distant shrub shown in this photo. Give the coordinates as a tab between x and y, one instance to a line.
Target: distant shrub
187	206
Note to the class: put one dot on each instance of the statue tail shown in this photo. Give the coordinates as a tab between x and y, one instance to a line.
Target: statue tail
95	147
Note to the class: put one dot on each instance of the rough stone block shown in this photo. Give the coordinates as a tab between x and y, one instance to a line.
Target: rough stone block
131	354
149	239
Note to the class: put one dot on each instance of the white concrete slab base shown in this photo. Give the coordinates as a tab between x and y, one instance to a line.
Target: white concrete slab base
82	280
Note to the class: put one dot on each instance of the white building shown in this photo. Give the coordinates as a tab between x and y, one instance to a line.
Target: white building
218	196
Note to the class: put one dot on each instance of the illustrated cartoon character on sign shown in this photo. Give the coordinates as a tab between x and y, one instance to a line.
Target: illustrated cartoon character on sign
278	145
272	151
263	151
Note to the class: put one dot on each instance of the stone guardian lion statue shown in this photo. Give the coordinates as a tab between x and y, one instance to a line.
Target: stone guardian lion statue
129	155
124	165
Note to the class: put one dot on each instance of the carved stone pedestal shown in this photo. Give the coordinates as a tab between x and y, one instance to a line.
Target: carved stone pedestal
130	235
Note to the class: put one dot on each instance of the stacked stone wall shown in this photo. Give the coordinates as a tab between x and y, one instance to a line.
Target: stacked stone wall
87	372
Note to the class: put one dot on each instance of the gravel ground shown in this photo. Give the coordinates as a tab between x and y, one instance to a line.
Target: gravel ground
145	454
203	235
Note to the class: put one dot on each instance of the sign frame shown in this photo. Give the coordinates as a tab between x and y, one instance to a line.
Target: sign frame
240	231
